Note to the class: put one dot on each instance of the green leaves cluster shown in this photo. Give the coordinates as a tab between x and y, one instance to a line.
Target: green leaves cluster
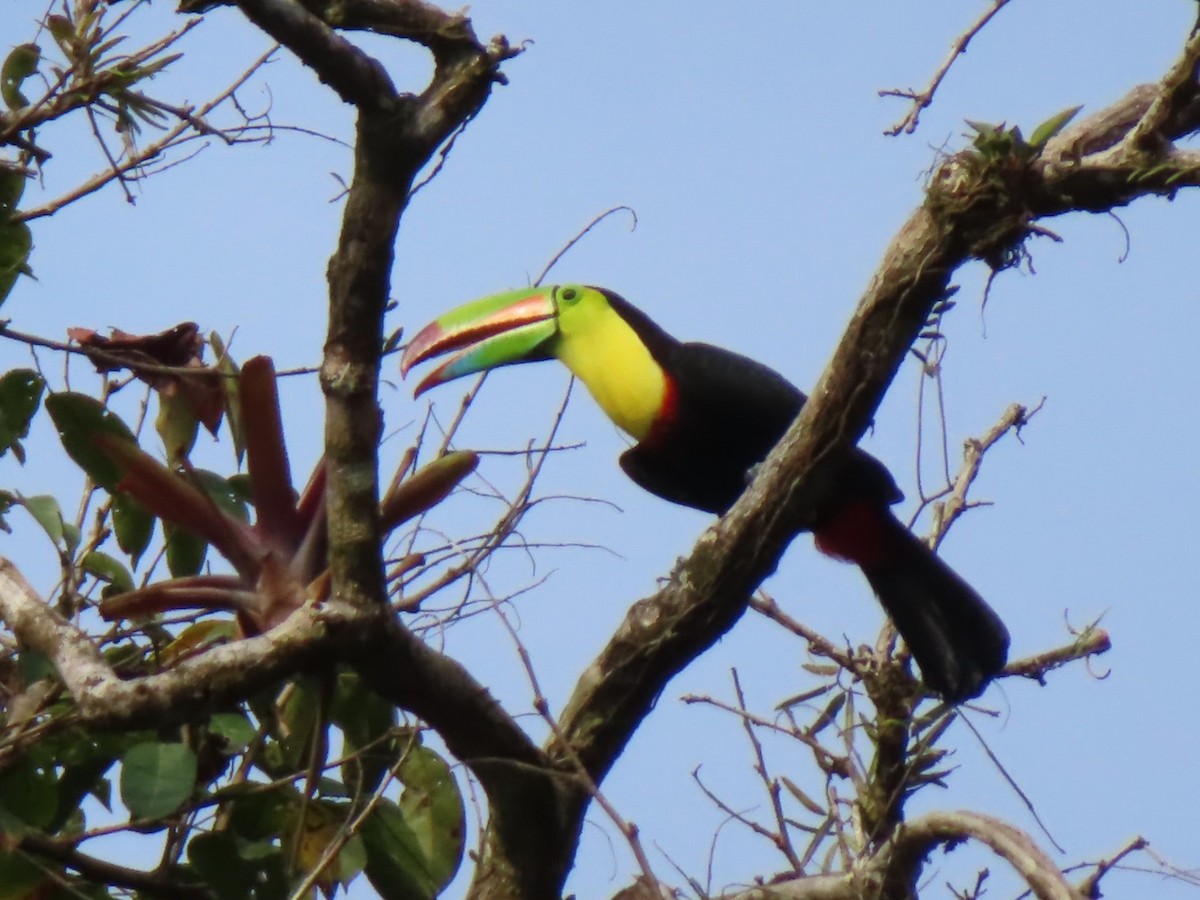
995	143
236	786
93	69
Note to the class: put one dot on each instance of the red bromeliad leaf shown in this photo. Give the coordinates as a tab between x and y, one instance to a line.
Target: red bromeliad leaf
198	591
282	560
314	493
311	558
279	594
266	457
426	488
174	499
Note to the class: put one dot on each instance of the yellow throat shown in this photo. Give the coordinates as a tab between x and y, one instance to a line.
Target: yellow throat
606	354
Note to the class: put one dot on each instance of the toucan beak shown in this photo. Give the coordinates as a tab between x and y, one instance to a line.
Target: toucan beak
500	330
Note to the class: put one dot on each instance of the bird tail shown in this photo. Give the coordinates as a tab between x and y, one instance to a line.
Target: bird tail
957	640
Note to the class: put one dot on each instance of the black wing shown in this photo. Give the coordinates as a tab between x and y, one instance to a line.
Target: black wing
729	412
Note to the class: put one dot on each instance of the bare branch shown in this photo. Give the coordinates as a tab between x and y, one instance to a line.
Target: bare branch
916	838
922	99
1090	886
947	510
1091	642
582	234
1177	90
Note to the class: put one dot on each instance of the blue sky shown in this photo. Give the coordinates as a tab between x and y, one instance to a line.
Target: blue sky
749	140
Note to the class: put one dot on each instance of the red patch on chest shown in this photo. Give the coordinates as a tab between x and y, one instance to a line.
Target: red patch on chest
668	411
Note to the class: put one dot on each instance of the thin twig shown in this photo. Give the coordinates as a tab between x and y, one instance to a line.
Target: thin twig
952	502
922	99
170	139
1012	783
578	237
781	838
629	830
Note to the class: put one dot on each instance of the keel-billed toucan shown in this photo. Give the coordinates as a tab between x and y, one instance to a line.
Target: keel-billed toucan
703	417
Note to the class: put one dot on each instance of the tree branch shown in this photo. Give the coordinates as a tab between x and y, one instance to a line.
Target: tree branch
399	665
917	838
150	884
358	78
954	503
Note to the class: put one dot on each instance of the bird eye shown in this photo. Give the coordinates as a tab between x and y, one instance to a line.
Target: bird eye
570	295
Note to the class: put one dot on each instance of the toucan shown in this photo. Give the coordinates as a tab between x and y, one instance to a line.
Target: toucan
703	418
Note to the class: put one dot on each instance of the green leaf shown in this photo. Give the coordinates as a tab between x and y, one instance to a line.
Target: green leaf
229	496
197	637
47	513
396	865
237	730
365	720
71	537
108	569
233	401
16	243
30	792
185	551
299	718
12	186
415	848
176	424
157	778
433	806
89	760
20	395
132	525
352	859
260	815
79	418
8	277
62	30
20	64
35	666
313	828
1052	126
983	129
393	341
235	869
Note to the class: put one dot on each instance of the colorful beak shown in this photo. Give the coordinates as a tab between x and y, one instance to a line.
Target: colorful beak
500	330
